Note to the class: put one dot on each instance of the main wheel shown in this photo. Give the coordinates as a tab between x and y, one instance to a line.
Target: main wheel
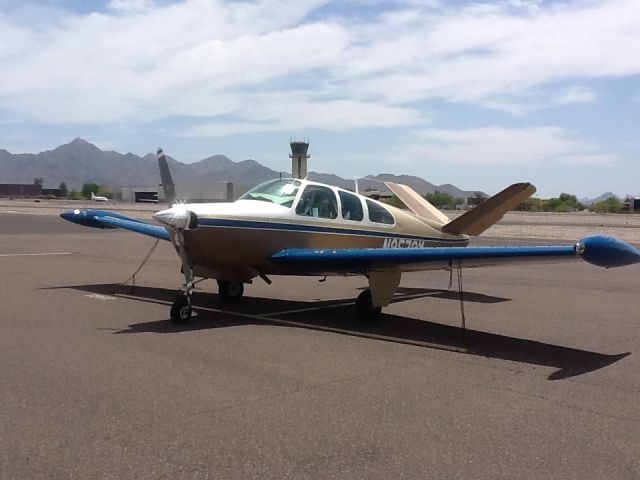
365	311
181	311
230	291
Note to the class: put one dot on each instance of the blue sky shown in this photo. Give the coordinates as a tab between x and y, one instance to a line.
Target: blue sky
478	94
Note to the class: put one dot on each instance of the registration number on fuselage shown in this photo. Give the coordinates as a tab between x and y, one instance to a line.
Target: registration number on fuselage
402	243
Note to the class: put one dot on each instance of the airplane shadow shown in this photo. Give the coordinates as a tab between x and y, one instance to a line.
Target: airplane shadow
338	316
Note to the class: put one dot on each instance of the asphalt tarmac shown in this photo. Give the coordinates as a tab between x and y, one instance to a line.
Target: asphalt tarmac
96	382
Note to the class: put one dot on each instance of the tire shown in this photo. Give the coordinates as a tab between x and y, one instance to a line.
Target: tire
230	291
365	311
181	311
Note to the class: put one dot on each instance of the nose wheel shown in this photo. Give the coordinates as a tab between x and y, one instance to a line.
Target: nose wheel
181	310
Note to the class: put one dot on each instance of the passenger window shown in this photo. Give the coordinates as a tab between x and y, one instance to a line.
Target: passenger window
317	201
351	206
379	214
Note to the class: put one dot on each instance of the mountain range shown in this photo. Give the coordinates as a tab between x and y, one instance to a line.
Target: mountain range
79	161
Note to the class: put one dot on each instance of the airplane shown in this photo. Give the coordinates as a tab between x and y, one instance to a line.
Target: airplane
98	198
294	226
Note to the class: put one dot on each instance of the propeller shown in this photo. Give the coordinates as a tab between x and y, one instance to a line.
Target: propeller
179	219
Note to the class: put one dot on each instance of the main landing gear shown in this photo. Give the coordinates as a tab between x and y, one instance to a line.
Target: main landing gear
365	311
230	291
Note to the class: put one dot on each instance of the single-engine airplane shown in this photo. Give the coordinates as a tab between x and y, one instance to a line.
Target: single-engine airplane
300	227
98	198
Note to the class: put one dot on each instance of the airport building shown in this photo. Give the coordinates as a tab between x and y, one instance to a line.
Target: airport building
216	192
20	190
133	194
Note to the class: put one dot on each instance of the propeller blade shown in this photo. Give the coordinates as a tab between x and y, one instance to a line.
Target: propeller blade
167	181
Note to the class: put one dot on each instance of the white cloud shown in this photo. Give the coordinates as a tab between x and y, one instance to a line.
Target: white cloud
490	52
202	58
288	112
131	5
499	146
577	94
587	159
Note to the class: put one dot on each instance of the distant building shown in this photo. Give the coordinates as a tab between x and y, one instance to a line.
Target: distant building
20	190
207	192
195	192
632	204
132	194
377	194
54	192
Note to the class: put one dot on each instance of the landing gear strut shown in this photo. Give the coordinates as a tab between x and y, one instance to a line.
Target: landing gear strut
365	311
181	308
230	291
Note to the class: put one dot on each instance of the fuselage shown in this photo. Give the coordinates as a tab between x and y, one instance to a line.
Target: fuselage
234	241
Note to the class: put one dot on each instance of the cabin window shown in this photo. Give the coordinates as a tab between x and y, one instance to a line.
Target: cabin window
379	214
317	201
351	206
281	192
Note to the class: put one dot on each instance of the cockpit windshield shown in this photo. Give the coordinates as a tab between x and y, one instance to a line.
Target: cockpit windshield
281	192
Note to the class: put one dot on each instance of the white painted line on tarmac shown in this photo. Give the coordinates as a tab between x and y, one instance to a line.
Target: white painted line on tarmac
352	333
262	318
98	296
397	297
34	254
308	309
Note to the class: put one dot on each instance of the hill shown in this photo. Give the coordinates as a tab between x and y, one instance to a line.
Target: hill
79	161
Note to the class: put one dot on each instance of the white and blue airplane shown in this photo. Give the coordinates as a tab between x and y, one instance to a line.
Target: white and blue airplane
299	227
98	198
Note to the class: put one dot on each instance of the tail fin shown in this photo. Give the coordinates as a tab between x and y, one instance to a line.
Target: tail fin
165	176
93	196
417	203
478	219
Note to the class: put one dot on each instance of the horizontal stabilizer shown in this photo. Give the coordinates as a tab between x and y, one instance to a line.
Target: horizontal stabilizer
480	218
417	203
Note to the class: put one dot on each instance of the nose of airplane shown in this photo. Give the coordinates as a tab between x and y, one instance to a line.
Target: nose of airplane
177	217
172	217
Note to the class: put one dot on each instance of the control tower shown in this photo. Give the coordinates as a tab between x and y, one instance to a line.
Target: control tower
299	157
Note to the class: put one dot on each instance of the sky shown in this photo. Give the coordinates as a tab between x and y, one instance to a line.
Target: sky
477	94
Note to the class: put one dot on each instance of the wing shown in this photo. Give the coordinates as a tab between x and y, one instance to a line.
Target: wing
105	219
600	250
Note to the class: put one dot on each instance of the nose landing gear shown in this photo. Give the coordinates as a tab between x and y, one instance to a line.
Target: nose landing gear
181	309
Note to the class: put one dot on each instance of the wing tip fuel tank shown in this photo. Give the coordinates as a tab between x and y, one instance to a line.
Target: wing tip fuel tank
607	251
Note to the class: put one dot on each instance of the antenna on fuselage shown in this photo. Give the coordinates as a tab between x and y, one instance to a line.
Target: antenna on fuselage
165	177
